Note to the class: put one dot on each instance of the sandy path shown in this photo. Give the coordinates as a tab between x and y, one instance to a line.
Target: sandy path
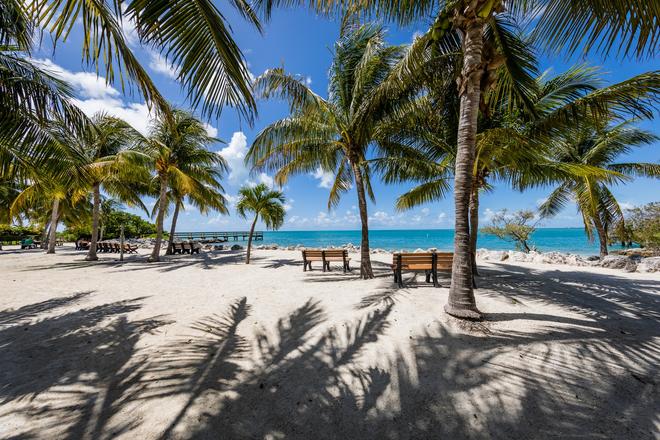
207	347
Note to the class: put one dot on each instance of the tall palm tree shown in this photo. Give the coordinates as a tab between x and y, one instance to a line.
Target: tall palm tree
562	24
265	204
337	133
512	139
597	145
108	160
178	150
205	194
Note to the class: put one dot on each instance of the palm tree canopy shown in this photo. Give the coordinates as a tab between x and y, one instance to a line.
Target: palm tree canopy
333	134
192	35
629	26
179	151
597	145
264	203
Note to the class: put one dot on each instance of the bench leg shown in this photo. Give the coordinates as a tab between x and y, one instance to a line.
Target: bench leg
304	266
428	276
435	279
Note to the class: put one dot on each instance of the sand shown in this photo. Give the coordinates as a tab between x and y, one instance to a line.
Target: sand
207	347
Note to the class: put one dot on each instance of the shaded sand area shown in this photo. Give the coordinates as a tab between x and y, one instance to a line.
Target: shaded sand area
207	347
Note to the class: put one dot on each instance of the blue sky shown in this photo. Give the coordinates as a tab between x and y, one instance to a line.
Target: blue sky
302	43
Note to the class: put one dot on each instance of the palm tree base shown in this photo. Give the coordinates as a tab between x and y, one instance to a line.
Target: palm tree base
91	258
463	312
153	259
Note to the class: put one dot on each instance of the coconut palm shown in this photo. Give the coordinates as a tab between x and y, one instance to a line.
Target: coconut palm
597	145
562	24
335	134
108	160
178	153
265	204
205	193
511	141
194	37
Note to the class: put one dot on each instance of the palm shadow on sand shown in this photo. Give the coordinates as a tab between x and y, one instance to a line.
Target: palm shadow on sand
590	376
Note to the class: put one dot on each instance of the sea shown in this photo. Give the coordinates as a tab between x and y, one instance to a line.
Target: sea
567	240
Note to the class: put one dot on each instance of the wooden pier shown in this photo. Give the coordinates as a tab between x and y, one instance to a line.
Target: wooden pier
218	237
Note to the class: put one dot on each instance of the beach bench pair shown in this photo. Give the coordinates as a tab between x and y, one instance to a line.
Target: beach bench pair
326	256
186	248
106	246
428	262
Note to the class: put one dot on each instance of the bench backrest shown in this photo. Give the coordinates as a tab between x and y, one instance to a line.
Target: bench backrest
186	246
336	253
312	253
444	260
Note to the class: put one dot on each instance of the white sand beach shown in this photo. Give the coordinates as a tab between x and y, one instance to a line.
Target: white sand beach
205	346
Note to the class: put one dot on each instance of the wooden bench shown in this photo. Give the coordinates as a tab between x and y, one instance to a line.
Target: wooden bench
428	262
325	256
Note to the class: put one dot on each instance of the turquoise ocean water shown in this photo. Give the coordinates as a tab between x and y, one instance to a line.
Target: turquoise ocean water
572	240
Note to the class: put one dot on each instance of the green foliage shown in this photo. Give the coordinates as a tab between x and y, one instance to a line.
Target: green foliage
264	203
134	227
516	227
13	233
643	224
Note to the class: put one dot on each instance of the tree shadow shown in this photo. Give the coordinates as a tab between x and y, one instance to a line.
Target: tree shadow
76	370
30	311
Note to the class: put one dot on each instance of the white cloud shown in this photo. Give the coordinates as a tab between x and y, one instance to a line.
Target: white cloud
95	95
308	81
326	178
627	205
211	130
489	214
234	153
159	64
442	217
87	84
425	212
288	205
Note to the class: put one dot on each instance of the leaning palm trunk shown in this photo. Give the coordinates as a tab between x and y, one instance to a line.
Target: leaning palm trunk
602	236
366	272
474	227
249	245
53	226
170	242
461	302
162	205
91	255
44	236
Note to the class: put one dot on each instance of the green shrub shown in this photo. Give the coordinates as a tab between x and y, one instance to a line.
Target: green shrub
14	233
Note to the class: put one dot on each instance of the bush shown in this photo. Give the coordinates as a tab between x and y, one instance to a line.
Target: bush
643	224
514	227
15	233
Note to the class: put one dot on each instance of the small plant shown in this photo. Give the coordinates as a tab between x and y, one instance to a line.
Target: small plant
516	227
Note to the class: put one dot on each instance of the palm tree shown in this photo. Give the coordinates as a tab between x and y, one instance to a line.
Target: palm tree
177	148
597	145
193	36
264	203
109	161
205	194
562	24
334	134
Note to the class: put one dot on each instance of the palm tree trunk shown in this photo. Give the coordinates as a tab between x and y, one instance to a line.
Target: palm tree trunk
91	255
602	236
101	232
53	226
162	205
44	236
249	246
366	272
170	241
461	302
474	228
